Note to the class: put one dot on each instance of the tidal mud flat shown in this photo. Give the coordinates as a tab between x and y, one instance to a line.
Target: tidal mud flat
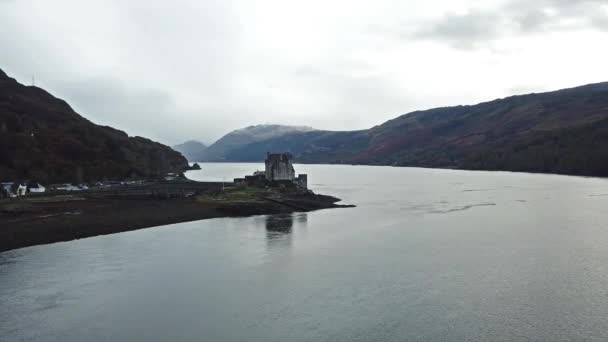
62	217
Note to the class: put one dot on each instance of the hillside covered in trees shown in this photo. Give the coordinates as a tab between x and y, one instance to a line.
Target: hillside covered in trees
43	139
563	132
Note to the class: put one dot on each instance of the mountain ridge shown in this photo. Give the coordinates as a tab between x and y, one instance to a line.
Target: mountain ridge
563	131
44	139
242	137
193	150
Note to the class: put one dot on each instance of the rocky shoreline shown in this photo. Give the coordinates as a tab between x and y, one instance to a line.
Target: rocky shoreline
63	217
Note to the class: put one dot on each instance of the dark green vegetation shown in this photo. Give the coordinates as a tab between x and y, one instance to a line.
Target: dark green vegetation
563	132
49	217
42	138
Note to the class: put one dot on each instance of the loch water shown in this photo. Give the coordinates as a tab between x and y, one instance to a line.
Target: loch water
427	255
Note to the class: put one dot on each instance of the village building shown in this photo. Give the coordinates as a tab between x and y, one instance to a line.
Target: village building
35	188
15	189
21	190
171	176
67	187
6	190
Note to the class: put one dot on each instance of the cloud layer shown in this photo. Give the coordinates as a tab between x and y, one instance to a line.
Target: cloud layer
476	28
188	69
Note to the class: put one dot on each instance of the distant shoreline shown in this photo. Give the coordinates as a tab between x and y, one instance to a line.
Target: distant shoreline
418	167
55	218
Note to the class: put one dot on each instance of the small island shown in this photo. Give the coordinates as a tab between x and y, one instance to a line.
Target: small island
67	212
194	166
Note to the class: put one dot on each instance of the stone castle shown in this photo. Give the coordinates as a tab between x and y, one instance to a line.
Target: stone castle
279	168
278	171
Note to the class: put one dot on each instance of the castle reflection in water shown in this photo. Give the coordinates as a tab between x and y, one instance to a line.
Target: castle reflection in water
280	227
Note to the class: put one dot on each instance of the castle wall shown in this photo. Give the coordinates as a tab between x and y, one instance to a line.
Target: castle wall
279	168
302	181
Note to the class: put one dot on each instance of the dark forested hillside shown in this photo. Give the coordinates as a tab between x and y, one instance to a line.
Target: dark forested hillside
42	138
564	132
308	147
557	132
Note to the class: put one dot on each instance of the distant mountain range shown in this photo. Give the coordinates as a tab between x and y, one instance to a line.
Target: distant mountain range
564	132
221	149
43	139
192	149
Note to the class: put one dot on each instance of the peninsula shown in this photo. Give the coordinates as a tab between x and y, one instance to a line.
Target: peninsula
63	177
68	213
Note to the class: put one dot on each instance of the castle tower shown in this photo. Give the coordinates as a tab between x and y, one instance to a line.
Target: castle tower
279	167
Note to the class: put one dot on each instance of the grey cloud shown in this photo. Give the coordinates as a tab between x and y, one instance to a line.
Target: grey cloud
476	28
108	101
352	98
600	21
154	113
183	47
465	30
190	69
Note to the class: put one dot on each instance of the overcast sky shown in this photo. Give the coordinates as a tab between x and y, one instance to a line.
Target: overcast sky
196	69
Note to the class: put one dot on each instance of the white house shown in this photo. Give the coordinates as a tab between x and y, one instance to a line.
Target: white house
171	176
36	188
67	187
21	190
7	188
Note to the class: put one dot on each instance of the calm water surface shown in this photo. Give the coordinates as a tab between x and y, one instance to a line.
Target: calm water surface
428	255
